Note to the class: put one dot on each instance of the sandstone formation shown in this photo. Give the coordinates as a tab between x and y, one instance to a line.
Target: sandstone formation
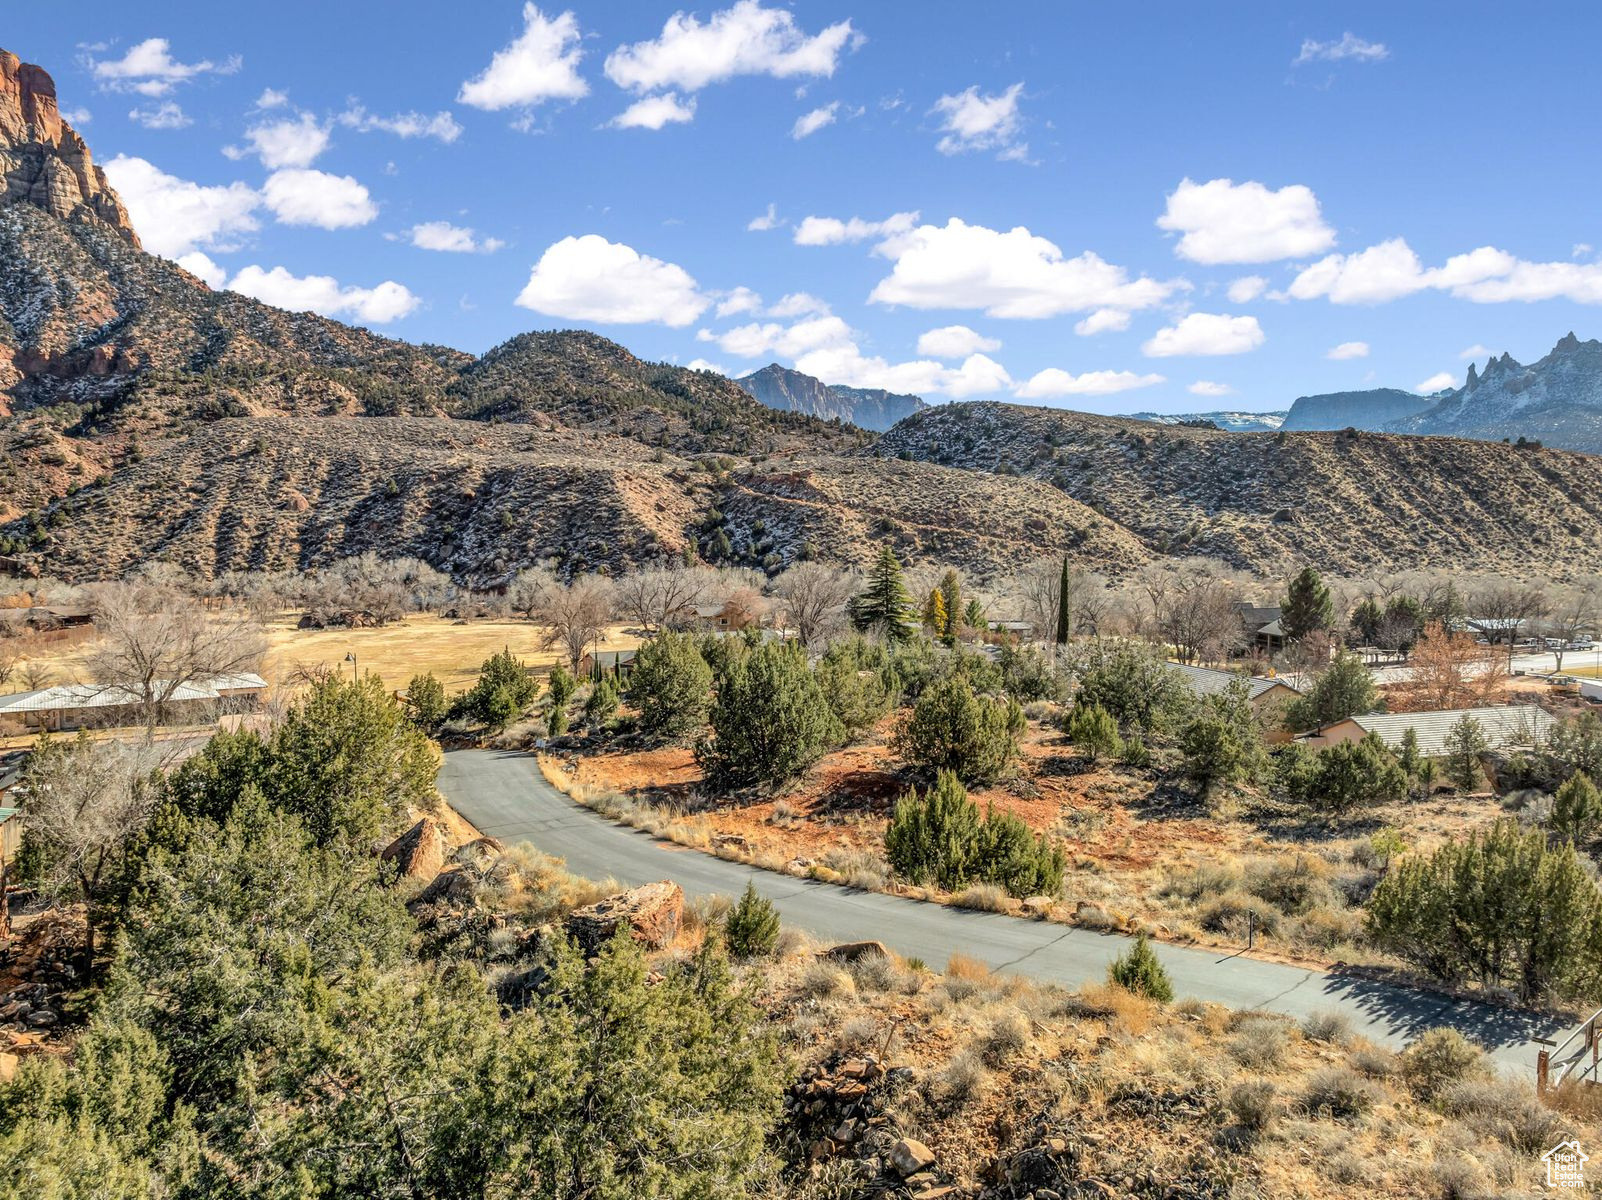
420	851
650	913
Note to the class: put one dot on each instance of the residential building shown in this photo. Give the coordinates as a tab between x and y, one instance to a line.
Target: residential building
1505	726
1267	694
76	705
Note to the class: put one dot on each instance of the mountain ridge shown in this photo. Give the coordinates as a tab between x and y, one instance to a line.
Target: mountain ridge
784	388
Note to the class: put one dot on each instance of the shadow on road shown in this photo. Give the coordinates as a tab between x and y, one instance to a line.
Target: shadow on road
1411	1013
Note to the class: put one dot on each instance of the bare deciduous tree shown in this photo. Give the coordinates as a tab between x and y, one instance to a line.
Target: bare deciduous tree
652	596
155	639
814	598
1505	606
575	616
1574	613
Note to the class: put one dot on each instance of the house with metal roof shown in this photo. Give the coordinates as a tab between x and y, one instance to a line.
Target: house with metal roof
1505	726
1267	694
75	705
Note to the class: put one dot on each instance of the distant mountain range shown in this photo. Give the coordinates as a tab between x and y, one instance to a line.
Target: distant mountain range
791	391
1237	422
1556	401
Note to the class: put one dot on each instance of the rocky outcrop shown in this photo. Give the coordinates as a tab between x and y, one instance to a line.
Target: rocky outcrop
1371	409
791	391
650	913
420	852
43	161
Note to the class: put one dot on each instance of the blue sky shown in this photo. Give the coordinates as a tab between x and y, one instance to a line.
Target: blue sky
1107	207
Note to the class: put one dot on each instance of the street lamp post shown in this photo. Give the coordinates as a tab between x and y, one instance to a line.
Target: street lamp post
350	657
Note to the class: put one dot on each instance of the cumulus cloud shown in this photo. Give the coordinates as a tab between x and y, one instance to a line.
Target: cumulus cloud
762	339
1391	270
701	364
1348	46
819	118
591	279
1206	387
1010	274
831	231
654	112
956	341
799	304
77	117
745	39
1103	320
293	142
271	98
299	196
540	64
452	239
175	216
1054	381
1437	382
1246	289
166	115
388	301
441	126
1477	351
1348	350
740	300
972	121
200	265
768	220
1227	222
149	69
1205	334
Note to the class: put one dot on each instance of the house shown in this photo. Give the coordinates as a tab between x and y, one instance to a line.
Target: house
1266	694
607	662
74	705
730	616
1260	627
1506	726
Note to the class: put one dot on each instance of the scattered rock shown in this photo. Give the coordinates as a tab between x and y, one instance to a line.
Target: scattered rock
651	914
910	1156
420	851
850	952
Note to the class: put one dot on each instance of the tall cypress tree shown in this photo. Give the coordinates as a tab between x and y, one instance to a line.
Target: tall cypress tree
885	606
1064	616
1307	608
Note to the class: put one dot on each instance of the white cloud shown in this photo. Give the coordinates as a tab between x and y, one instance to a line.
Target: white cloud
740	300
1436	382
762	339
955	341
799	304
452	239
150	69
1349	46
971	121
1103	320
1246	289
77	117
1348	350
540	64
288	143
175	216
388	301
701	364
768	220
166	115
1205	334
1054	381
271	98
1226	222
202	267
441	126
809	123
654	112
745	39
1580	249
591	279
305	197
1206	387
1391	269
1477	351
831	231
1011	274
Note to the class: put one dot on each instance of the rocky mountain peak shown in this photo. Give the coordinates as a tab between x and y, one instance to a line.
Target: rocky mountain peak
43	161
1567	344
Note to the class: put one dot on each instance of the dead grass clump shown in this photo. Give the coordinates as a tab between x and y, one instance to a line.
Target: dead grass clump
1125	1010
859	1033
858	869
821	980
1438	1059
1340	1093
1332	1027
1376	1062
1459	1177
1259	1043
1007	1036
1504	1110
1236	911
961	1082
702	913
1202	882
875	973
1323	929
986	897
1254	1105
1292	883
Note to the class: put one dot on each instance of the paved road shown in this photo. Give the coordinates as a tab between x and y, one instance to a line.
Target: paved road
506	797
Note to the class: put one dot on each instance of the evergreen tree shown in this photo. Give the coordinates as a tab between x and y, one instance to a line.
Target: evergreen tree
1408	758
770	721
602	703
1094	733
504	689
752	926
951	601
426	697
1064	628
672	687
1008	854
932	838
1465	743
974	615
1134	684
1307	607
884	606
561	685
1344	689
1139	970
952	729
1222	742
1339	779
1577	811
858	693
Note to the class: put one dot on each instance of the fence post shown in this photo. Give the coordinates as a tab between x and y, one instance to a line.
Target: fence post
1543	1064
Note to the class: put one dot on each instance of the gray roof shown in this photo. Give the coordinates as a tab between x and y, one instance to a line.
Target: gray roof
89	695
1209	681
1504	726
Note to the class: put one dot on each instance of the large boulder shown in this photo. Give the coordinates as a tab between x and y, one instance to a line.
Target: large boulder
650	913
420	851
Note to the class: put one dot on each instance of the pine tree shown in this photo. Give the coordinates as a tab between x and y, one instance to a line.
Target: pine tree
1577	811
752	926
974	615
1064	607
951	598
884	607
1094	733
1307	607
1139	970
1465	742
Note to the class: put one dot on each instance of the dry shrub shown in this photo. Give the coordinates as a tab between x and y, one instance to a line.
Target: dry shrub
1376	1062
859	1033
1324	929
985	897
821	979
1461	1178
1124	1009
1259	1043
1007	1036
792	941
961	966
1228	914
875	973
1341	1093
1581	1101
1504	1110
1438	1059
1254	1105
962	1081
704	912
1328	1026
1347	1168
1200	883
1292	883
859	869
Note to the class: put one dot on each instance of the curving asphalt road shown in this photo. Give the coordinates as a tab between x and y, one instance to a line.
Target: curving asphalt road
504	795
